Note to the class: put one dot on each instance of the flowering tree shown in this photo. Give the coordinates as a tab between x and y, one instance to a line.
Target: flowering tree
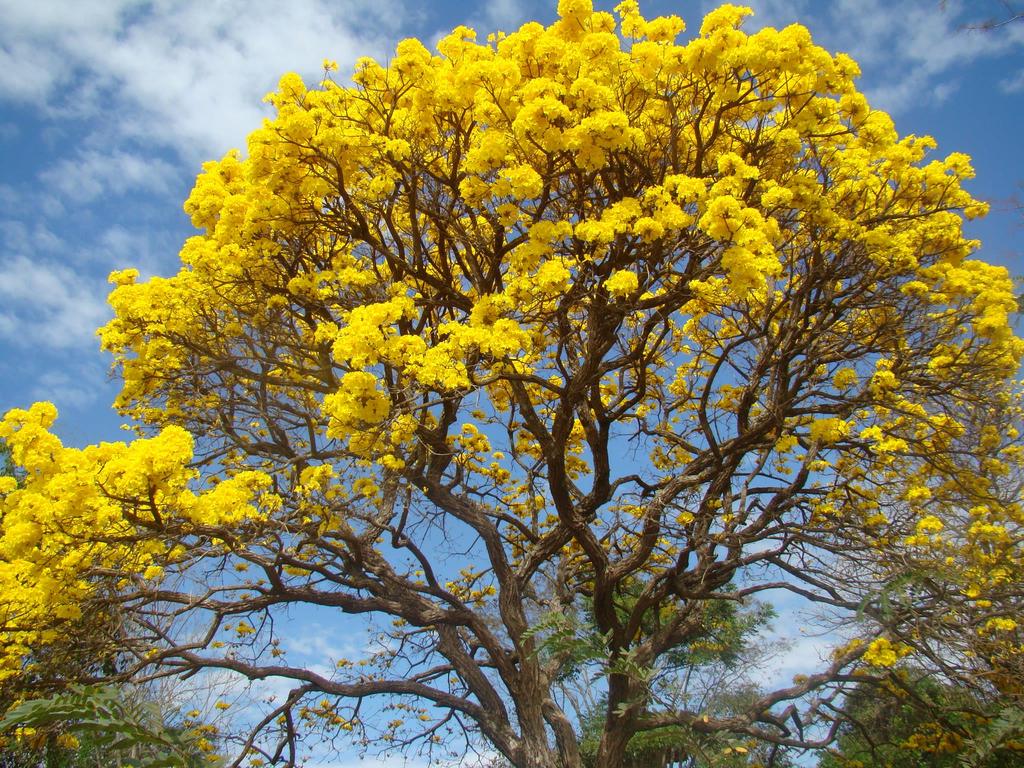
576	316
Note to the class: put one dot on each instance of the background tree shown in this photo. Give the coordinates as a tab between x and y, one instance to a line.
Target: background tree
84	646
710	672
579	316
90	726
960	579
918	721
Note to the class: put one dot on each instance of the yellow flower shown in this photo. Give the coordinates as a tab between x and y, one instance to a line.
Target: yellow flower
829	430
622	283
883	653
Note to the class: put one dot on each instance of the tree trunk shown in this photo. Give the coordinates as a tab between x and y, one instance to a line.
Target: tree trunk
536	754
611	751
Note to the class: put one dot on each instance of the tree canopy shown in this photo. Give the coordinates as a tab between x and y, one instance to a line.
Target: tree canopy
574	318
918	721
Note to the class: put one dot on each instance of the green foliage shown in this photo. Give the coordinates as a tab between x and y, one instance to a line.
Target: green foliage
922	723
644	748
729	628
655	748
1000	742
728	631
108	723
572	641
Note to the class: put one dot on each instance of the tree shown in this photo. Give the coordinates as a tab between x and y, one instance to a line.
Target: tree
579	316
956	590
914	720
90	726
708	672
87	647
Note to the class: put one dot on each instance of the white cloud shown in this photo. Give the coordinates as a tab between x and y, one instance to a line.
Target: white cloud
276	689
92	173
153	251
49	305
317	641
940	93
124	90
1014	83
28	70
29	236
53	289
183	75
912	52
800	655
504	15
71	390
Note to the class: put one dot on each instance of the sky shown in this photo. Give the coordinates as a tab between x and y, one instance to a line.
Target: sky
109	107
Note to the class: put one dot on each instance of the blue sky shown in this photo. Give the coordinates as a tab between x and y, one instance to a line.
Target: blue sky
108	107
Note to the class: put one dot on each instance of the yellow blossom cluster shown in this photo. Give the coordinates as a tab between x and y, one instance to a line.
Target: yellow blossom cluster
81	512
882	652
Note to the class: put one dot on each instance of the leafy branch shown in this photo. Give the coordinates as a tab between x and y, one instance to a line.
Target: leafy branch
111	723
